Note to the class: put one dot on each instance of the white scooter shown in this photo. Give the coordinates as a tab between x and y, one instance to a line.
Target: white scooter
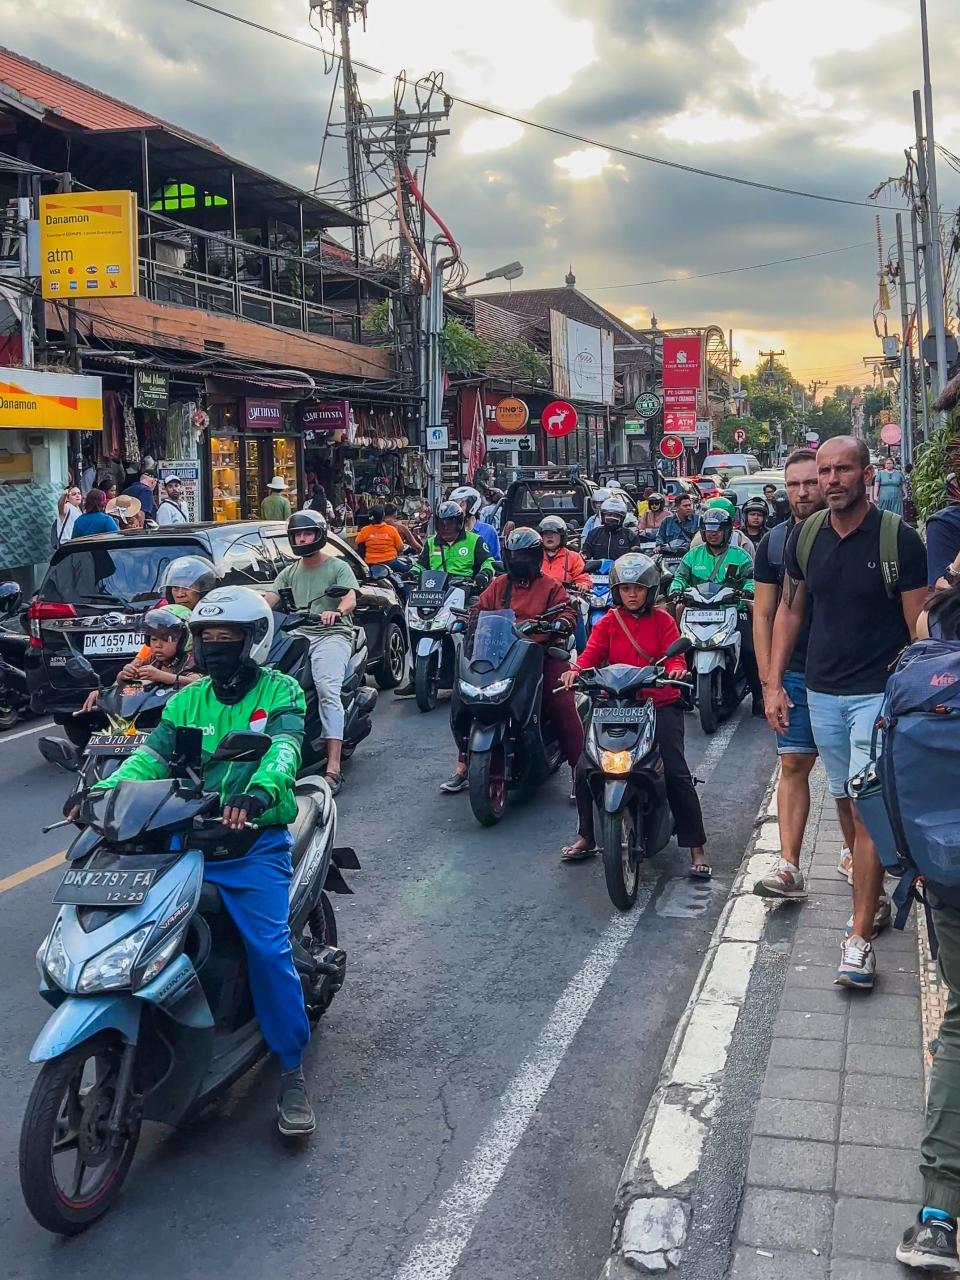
709	621
435	603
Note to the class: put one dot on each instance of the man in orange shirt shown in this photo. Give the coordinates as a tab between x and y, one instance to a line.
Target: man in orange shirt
379	542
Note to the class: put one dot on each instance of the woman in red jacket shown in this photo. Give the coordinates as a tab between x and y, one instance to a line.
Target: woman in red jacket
637	633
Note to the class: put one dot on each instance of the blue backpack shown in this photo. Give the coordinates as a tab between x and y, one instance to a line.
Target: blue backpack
918	770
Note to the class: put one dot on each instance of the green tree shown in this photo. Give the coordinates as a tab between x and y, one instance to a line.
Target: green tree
830	418
775	406
758	436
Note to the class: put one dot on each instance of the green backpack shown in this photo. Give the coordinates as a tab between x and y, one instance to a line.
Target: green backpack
889	553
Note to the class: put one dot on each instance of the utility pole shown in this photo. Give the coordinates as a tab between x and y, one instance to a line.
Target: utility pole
931	237
919	325
906	358
933	205
770	356
26	296
815	386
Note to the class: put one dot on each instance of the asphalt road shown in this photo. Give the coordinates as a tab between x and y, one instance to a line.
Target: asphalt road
479	1079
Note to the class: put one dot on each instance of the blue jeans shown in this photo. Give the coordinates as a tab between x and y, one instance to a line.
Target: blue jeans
843	729
798	740
255	891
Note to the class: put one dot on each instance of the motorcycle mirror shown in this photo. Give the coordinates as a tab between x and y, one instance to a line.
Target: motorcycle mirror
188	747
242	748
9	598
61	753
680	646
338	592
732	573
377	572
78	668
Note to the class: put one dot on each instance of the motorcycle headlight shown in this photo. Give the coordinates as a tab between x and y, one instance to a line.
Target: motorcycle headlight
444	617
616	761
112	968
161	958
54	962
498	689
721	637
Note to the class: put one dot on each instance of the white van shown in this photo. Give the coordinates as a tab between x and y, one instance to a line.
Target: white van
731	464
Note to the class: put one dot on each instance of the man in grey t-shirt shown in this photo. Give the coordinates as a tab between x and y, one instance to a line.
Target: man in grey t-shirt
310	579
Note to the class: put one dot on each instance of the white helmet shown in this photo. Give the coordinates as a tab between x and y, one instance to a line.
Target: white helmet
599	497
465	493
614	508
234	607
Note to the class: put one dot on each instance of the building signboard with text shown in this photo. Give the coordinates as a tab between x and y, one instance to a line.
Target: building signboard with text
88	245
33	400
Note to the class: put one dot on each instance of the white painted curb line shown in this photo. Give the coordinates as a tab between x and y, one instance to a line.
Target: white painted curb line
652	1210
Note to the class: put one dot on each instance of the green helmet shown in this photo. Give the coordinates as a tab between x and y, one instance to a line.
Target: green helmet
722	504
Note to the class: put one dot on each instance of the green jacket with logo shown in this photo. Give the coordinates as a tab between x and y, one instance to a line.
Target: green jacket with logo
701	565
468	557
274	706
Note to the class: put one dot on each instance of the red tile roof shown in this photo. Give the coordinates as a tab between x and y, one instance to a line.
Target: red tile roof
78	103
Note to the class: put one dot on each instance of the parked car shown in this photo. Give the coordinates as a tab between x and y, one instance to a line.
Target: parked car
97	589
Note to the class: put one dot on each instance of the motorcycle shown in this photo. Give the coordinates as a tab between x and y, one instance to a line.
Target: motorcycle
709	621
599	599
625	772
14	697
496	709
433	605
152	1013
670	556
290	653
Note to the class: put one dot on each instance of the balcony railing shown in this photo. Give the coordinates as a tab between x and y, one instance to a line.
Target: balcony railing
184	288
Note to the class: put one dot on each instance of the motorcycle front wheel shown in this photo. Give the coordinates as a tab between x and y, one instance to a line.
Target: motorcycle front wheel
621	864
71	1171
487	776
426	682
706	701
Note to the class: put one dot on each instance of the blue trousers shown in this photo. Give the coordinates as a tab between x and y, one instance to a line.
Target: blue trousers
255	891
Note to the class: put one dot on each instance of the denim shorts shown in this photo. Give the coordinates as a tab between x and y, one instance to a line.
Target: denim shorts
843	729
798	740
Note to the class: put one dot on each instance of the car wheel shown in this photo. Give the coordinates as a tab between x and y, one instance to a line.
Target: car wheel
389	669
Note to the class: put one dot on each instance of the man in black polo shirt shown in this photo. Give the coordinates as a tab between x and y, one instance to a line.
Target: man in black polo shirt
856	632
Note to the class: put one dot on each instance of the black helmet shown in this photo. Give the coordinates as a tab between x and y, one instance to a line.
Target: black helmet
553	524
755	504
781	504
638	569
656	501
449	511
713	518
523	554
307	522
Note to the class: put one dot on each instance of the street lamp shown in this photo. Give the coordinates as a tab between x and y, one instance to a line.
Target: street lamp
512	271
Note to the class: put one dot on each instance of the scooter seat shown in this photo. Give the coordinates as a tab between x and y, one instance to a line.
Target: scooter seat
302	829
211	901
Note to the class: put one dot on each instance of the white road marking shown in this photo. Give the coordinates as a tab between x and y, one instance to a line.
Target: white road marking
450	1228
22	733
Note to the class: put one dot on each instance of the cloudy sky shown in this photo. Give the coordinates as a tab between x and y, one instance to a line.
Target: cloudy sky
812	95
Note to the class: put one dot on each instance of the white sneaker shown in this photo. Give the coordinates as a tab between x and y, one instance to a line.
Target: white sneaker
858	964
880	921
845	865
786	882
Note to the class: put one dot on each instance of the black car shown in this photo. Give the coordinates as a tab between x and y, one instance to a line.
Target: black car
97	589
536	492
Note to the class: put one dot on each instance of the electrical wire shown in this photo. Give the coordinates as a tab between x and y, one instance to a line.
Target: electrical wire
546	128
730	271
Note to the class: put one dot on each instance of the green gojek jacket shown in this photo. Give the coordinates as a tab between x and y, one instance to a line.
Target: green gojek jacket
468	557
274	706
701	565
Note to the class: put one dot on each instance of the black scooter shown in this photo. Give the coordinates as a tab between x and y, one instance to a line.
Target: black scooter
14	697
496	709
291	653
626	773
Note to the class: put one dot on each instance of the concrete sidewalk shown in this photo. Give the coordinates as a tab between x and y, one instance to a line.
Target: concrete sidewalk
831	1175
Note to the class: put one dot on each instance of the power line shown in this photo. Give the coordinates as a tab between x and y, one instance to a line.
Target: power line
730	271
545	128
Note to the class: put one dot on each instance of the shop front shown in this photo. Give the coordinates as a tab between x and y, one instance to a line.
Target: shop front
515	435
250	441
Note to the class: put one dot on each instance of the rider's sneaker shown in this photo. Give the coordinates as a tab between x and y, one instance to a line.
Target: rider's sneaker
930	1246
456	782
295	1118
858	964
880	921
845	865
785	882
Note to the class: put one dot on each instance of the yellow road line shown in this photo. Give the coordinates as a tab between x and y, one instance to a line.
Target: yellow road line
29	873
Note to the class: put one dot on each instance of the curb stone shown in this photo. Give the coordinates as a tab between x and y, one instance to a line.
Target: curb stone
652	1204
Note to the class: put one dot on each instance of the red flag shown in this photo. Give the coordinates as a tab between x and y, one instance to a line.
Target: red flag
478	439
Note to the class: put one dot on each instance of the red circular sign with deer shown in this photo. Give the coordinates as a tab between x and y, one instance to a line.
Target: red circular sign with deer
559	418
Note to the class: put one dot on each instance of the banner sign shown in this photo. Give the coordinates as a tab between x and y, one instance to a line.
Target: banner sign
88	244
682	358
512	414
559	419
325	415
51	401
189	473
499	443
679	421
263	413
151	389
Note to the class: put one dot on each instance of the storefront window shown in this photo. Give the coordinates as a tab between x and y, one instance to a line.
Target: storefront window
225	477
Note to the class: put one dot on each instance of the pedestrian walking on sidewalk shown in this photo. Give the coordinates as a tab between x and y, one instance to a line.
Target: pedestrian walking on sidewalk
865	588
796	747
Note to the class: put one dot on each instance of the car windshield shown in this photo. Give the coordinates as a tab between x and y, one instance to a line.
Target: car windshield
121	575
541	498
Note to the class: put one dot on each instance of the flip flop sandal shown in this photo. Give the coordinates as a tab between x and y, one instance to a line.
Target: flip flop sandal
700	871
335	782
580	855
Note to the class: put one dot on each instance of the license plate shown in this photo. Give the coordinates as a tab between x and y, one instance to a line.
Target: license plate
701	616
81	888
110	644
426	599
113	744
618	715
601	580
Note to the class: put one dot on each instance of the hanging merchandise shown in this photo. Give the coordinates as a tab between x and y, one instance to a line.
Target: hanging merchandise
131	446
181	441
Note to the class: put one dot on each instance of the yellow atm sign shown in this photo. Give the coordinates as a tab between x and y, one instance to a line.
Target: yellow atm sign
88	245
31	399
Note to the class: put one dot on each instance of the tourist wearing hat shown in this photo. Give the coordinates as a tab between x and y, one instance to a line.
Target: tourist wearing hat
276	505
128	513
172	509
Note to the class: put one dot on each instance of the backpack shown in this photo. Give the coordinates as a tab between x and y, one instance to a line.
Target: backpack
917	769
777	547
889	548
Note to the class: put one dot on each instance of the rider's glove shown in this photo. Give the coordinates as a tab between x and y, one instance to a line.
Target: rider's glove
254	804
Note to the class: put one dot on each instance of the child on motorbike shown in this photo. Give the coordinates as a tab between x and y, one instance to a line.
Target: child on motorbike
527	590
165	657
638	633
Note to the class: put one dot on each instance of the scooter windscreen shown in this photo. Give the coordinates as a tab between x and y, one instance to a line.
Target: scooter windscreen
492	637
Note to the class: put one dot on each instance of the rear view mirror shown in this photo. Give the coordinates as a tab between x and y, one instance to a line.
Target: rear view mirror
242	748
680	646
188	748
337	593
78	668
377	572
9	598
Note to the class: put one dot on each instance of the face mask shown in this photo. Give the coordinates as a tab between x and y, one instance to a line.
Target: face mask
221	659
